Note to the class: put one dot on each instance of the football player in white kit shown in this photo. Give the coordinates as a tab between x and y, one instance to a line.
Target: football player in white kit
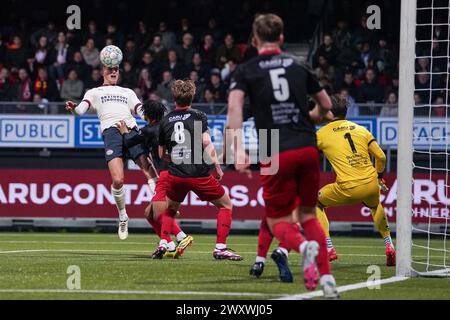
113	104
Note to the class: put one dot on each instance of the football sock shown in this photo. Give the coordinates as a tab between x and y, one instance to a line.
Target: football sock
314	231
329	243
264	239
176	229
288	234
322	217
381	222
260	259
171	246
223	225
180	235
119	198
166	219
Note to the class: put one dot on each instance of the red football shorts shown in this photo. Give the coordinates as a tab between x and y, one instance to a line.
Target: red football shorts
297	181
206	188
161	186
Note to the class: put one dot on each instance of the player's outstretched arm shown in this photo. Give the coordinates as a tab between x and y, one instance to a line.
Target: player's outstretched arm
79	109
322	111
235	119
162	152
380	162
211	152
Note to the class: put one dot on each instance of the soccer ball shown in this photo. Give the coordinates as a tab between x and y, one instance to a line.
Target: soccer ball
111	56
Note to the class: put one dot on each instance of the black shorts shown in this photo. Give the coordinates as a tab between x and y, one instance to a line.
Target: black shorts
115	145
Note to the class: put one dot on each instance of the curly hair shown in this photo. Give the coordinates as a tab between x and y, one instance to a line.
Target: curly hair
183	92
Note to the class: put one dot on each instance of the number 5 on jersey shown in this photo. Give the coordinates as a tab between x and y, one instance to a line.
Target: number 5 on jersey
280	84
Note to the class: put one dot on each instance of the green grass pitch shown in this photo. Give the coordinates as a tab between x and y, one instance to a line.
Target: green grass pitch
34	266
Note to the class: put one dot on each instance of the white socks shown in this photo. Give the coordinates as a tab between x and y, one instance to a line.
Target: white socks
180	236
119	198
260	259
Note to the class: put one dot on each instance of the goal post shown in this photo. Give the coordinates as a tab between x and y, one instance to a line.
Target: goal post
423	168
405	134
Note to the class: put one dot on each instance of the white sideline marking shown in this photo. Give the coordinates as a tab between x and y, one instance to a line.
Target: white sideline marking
350	287
149	243
141	292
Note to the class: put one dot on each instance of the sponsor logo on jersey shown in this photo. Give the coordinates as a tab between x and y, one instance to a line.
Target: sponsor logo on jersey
179	117
275	63
109	152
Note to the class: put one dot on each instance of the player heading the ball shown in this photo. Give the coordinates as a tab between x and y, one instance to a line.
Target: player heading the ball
113	104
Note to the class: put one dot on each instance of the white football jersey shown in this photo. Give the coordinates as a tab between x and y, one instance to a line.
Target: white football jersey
113	104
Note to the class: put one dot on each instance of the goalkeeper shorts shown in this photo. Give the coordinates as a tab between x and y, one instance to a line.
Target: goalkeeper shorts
333	195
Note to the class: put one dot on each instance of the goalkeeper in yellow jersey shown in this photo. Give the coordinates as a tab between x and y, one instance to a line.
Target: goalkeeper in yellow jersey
348	146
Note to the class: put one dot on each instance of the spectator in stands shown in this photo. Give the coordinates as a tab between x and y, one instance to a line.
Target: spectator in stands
157	49
324	71
349	83
370	91
72	88
24	87
177	69
353	108
366	58
48	32
152	65
95	80
42	55
44	87
208	51
227	72
116	36
5	85
423	88
128	77
327	50
130	52
423	65
186	50
185	27
168	37
341	35
94	34
90	53
163	89
227	51
61	54
391	107
385	58
362	32
208	96
145	83
142	37
200	87
138	92
439	107
83	70
216	86
154	97
214	30
198	66
16	54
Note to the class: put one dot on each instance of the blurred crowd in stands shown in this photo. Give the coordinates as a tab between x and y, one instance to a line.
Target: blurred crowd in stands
54	64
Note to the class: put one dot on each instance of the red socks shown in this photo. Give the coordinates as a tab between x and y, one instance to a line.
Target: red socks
264	239
223	225
166	218
314	231
289	235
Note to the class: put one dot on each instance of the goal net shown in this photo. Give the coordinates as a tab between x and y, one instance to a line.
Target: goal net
423	218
